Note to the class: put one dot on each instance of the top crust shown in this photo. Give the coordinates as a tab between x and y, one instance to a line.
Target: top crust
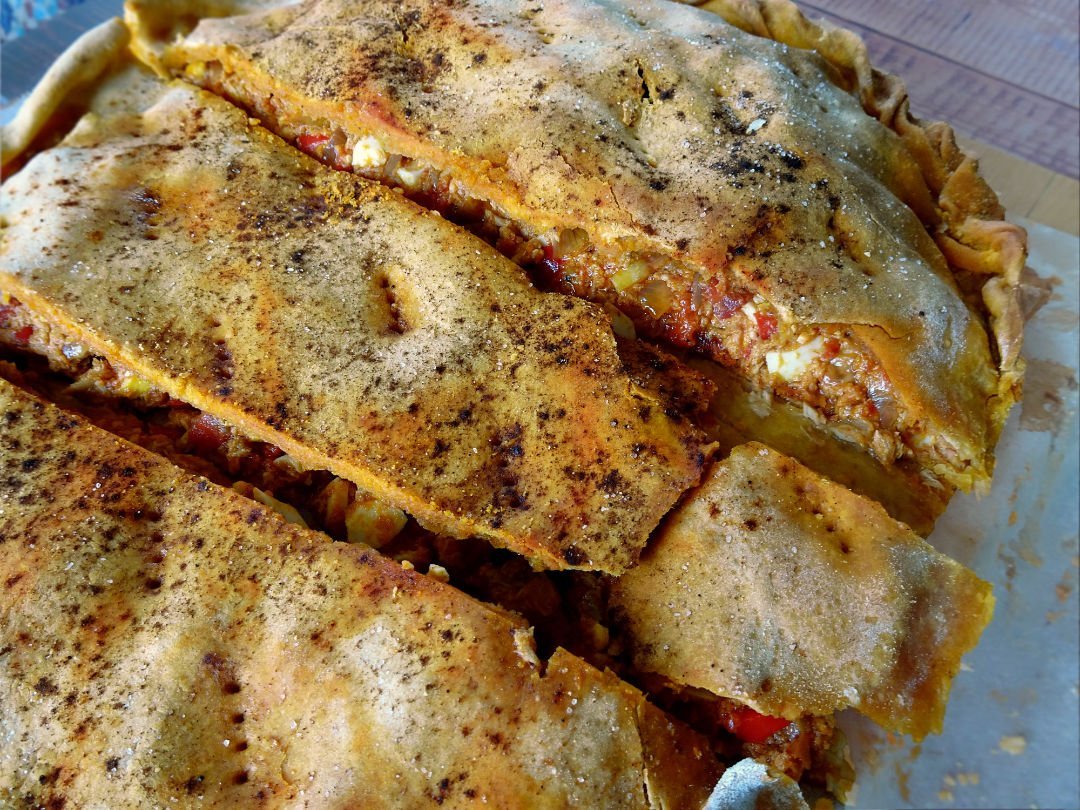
660	127
354	330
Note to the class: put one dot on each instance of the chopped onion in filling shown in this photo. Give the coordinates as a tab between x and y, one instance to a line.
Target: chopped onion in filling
368	153
290	514
791	364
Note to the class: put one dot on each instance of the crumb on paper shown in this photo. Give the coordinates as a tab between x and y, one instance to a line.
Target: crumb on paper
945	795
1013	744
1010	566
1063	589
963	778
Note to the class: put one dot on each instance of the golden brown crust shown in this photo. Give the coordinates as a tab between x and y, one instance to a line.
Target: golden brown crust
163	638
352	329
684	392
654	145
959	208
155	23
778	588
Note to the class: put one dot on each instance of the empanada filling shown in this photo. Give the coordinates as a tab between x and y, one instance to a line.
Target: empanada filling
823	367
567	609
122	402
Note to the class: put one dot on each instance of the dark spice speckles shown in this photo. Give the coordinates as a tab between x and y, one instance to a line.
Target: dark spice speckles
44	686
574	555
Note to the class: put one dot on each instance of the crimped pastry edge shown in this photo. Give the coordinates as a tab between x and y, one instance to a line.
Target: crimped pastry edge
963	215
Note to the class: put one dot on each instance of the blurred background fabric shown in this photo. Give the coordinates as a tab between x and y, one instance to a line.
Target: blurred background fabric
16	16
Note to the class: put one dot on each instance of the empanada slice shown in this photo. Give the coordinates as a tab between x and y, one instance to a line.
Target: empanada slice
789	593
198	256
755	202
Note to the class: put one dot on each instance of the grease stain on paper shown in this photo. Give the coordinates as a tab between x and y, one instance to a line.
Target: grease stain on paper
1035	291
1046	396
1065	587
902	777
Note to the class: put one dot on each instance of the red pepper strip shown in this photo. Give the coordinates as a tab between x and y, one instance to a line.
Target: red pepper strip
766	325
22	336
832	349
751	726
309	142
207	433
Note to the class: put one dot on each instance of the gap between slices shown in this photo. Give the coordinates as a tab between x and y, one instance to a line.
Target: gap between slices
232	642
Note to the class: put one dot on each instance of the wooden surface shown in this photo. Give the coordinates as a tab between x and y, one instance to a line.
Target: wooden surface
1004	73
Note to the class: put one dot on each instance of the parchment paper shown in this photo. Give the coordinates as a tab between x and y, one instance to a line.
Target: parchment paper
1012	731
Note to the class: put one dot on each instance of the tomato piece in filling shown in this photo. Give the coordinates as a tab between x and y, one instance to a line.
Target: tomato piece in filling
751	726
766	324
309	142
549	269
207	434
